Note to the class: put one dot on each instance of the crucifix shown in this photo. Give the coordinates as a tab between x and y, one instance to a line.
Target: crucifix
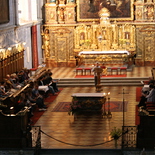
123	104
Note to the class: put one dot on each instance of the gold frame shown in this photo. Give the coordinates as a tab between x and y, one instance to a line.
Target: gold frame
94	19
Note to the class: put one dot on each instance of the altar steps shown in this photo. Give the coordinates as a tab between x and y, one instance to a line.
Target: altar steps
127	81
80	151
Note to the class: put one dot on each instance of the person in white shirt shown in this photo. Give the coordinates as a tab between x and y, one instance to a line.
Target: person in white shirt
95	74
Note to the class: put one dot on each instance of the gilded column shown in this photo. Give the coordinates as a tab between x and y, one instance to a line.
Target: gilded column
93	46
132	36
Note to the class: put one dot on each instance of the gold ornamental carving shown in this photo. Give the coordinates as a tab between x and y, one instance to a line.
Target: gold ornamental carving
103	37
46	43
60	49
61	14
51	13
145	42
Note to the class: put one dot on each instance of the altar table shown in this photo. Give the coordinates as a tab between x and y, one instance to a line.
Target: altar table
88	101
107	57
88	95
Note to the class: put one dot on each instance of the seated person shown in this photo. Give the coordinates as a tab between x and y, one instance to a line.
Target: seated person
35	97
151	96
143	100
9	84
49	71
150	81
43	82
21	77
22	103
49	80
14	81
3	92
26	73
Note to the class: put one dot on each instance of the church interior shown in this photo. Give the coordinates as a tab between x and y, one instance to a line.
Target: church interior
55	99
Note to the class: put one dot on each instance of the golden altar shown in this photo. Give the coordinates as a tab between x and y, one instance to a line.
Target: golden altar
103	57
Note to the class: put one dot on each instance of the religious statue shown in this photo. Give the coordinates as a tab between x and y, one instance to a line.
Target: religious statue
149	13
61	14
46	43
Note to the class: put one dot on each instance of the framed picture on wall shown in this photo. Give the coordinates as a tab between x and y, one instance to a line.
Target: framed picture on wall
4	11
87	10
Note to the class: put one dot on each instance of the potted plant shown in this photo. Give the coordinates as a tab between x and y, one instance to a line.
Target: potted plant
115	134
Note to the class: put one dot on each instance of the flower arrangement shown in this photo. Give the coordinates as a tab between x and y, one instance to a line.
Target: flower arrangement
86	42
115	133
122	41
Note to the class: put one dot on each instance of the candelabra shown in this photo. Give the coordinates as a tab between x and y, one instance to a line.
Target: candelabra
109	112
104	113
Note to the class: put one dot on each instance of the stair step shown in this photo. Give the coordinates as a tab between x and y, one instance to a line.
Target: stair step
92	84
80	151
121	81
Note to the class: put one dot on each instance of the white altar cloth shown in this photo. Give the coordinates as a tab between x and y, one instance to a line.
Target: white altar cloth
103	52
88	95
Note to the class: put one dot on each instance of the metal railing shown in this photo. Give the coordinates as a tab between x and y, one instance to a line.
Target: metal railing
36	139
129	137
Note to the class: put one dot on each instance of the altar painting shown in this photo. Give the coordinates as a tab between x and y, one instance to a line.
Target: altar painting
87	10
4	7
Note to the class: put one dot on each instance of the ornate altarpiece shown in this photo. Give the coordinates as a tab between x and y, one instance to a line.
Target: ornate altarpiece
70	35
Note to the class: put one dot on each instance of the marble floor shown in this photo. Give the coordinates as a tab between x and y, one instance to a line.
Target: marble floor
93	131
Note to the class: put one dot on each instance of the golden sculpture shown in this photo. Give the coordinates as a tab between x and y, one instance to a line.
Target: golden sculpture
61	14
46	43
149	12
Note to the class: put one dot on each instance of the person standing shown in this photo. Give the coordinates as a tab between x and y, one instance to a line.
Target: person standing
95	73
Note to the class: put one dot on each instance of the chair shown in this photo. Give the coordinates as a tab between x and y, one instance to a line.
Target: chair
114	69
124	69
79	69
150	107
87	69
105	72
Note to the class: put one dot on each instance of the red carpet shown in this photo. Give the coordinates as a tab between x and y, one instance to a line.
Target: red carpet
92	76
138	93
115	106
51	97
36	116
37	113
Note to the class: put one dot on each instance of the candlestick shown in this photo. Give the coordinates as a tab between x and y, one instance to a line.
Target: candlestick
109	113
